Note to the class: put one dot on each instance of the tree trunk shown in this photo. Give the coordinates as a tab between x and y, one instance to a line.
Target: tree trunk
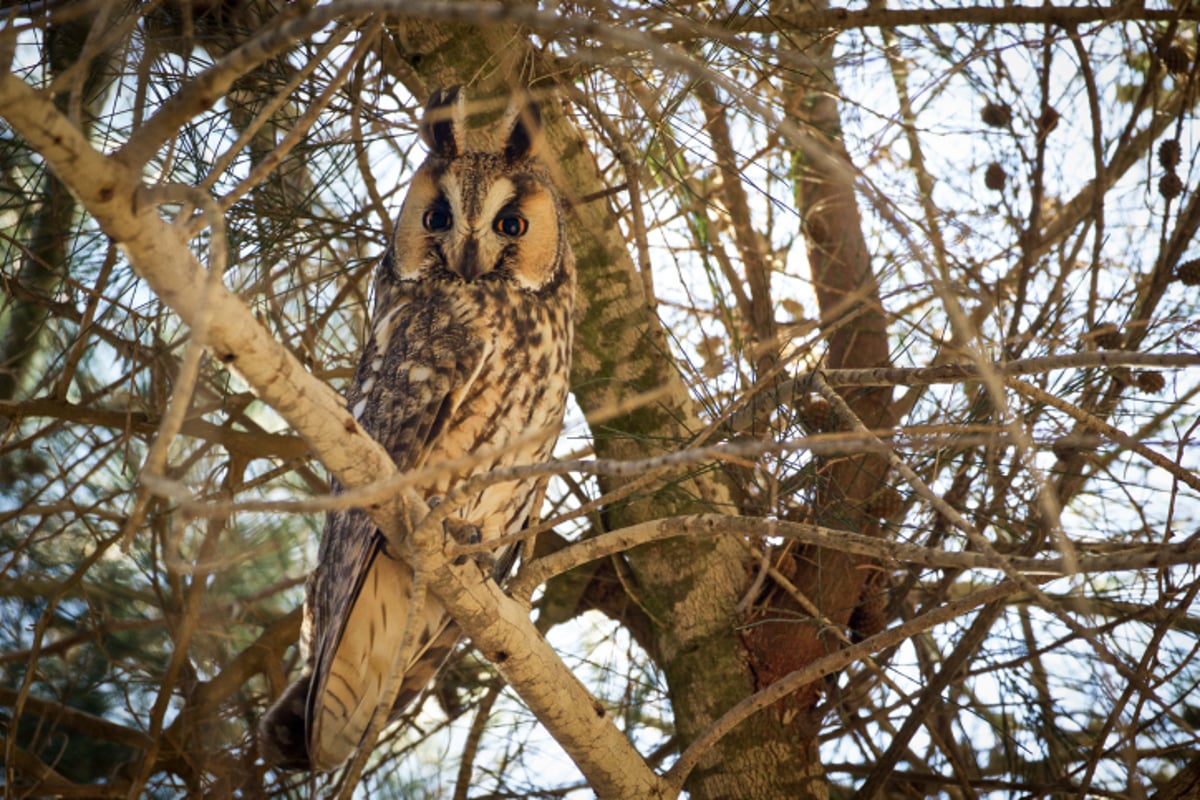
689	588
835	584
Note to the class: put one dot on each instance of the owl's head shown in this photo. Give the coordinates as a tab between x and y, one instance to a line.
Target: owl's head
478	216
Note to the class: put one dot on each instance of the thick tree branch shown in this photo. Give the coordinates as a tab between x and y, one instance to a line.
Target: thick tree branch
113	193
500	629
879	17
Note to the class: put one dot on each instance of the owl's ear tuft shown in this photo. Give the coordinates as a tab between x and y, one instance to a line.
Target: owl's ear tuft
525	136
443	125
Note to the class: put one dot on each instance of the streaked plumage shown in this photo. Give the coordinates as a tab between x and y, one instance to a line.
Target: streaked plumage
469	353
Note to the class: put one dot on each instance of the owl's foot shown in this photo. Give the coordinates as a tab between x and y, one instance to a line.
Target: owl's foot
464	532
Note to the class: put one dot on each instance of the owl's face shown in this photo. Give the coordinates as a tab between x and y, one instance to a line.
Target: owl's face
479	216
474	218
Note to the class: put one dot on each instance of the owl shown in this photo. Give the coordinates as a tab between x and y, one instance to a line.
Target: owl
468	354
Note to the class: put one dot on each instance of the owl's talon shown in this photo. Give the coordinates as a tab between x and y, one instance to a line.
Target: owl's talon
465	532
462	532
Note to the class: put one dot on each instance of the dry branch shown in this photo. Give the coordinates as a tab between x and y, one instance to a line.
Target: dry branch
833	662
704	525
245	443
77	720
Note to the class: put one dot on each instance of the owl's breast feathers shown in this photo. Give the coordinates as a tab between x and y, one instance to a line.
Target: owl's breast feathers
475	371
463	369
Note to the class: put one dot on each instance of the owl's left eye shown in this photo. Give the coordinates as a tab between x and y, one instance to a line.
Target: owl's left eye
436	219
511	225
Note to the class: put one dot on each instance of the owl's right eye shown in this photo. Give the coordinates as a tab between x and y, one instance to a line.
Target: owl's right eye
436	219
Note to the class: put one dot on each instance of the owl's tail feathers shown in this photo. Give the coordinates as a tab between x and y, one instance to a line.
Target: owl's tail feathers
282	741
358	673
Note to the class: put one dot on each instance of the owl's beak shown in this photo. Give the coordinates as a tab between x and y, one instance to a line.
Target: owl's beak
470	266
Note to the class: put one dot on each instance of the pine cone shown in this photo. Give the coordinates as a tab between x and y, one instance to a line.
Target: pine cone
1188	273
994	176
817	414
1069	445
1168	154
1175	59
1047	121
996	115
1170	186
1107	337
1150	381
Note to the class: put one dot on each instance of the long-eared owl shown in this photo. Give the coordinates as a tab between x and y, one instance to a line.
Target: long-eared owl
468	353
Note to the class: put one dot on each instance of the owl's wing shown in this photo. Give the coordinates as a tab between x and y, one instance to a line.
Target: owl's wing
416	369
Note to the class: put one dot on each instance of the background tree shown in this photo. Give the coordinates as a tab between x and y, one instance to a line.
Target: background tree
881	477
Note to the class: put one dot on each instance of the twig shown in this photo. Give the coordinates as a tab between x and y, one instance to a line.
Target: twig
462	781
1103	428
189	367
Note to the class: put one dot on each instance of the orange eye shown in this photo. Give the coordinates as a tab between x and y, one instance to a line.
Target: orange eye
511	225
436	219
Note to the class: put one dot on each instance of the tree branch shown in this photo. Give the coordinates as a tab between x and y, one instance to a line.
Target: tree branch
1155	556
81	721
113	193
500	629
826	665
246	443
844	19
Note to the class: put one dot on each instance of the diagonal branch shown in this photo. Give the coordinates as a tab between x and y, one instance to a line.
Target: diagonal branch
114	194
500	629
